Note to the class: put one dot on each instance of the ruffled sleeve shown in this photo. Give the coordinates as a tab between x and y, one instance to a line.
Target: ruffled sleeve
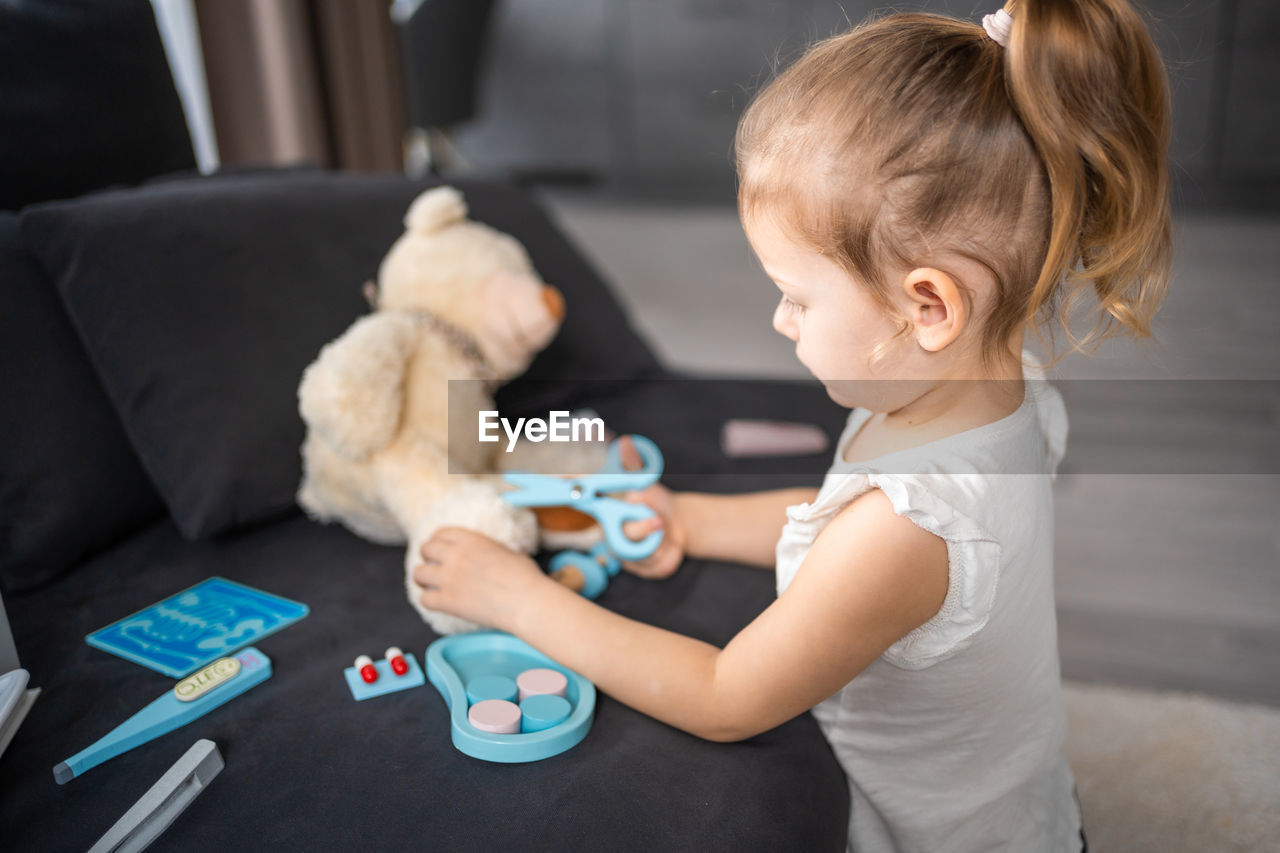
973	557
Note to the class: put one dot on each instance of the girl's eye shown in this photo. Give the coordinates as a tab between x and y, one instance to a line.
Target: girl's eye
792	306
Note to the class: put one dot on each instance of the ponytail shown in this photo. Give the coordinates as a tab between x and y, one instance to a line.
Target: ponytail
1089	87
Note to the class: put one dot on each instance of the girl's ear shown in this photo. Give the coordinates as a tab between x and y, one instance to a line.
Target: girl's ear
937	309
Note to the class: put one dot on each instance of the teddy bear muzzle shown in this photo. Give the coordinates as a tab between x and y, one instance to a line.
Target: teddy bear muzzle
554	301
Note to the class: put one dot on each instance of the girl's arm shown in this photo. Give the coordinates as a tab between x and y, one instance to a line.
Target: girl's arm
870	578
737	528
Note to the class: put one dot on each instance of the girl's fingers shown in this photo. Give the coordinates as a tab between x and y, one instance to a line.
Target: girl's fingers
642	496
662	563
426	574
640	570
634	497
637	530
432	599
450	534
435	548
631	460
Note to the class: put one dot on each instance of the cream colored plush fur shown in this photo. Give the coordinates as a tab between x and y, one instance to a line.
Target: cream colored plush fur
378	456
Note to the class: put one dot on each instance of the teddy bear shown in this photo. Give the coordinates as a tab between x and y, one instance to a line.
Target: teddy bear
392	449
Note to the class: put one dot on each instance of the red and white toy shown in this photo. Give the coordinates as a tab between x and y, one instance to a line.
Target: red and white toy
395	658
368	672
396	671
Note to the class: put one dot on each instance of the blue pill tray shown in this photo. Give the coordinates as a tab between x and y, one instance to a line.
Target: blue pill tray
454	661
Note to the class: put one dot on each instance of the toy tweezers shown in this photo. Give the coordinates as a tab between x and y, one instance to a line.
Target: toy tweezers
166	799
588	494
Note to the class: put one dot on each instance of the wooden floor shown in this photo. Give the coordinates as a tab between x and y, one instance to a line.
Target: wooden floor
1168	506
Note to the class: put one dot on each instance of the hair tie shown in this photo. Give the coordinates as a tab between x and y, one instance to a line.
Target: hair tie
998	25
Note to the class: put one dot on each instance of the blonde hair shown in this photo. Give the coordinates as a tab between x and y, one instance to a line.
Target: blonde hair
917	135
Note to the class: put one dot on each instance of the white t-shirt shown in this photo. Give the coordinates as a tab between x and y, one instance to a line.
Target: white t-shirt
951	739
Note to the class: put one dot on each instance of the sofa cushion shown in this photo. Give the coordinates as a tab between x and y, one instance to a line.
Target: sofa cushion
201	302
86	99
69	481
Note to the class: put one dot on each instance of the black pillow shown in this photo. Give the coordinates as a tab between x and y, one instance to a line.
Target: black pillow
200	303
86	99
69	481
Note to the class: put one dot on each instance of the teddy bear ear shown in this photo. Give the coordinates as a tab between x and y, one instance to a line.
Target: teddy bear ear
435	209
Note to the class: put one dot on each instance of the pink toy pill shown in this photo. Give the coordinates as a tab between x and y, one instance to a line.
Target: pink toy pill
541	682
496	716
364	665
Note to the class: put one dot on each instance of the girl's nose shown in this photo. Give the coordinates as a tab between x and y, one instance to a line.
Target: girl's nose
784	323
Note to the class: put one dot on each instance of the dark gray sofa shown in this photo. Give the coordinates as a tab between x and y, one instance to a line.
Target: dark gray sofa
150	345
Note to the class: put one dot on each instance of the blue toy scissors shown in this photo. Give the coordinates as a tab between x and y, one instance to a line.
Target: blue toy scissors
587	494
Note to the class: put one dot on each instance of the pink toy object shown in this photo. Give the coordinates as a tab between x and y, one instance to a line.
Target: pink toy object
496	716
742	438
395	658
368	671
541	682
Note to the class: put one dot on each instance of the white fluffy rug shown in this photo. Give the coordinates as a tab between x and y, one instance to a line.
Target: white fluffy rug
1168	772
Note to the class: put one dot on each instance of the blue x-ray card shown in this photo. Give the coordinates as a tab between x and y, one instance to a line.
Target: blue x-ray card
197	626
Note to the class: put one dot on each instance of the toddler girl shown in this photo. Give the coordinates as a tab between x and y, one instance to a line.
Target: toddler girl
922	191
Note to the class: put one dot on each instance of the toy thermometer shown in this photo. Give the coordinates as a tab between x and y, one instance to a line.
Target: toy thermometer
192	697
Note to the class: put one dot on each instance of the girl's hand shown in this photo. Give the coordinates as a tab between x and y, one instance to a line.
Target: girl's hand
470	575
666	559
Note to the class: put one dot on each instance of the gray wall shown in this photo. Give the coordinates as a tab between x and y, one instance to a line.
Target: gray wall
645	94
